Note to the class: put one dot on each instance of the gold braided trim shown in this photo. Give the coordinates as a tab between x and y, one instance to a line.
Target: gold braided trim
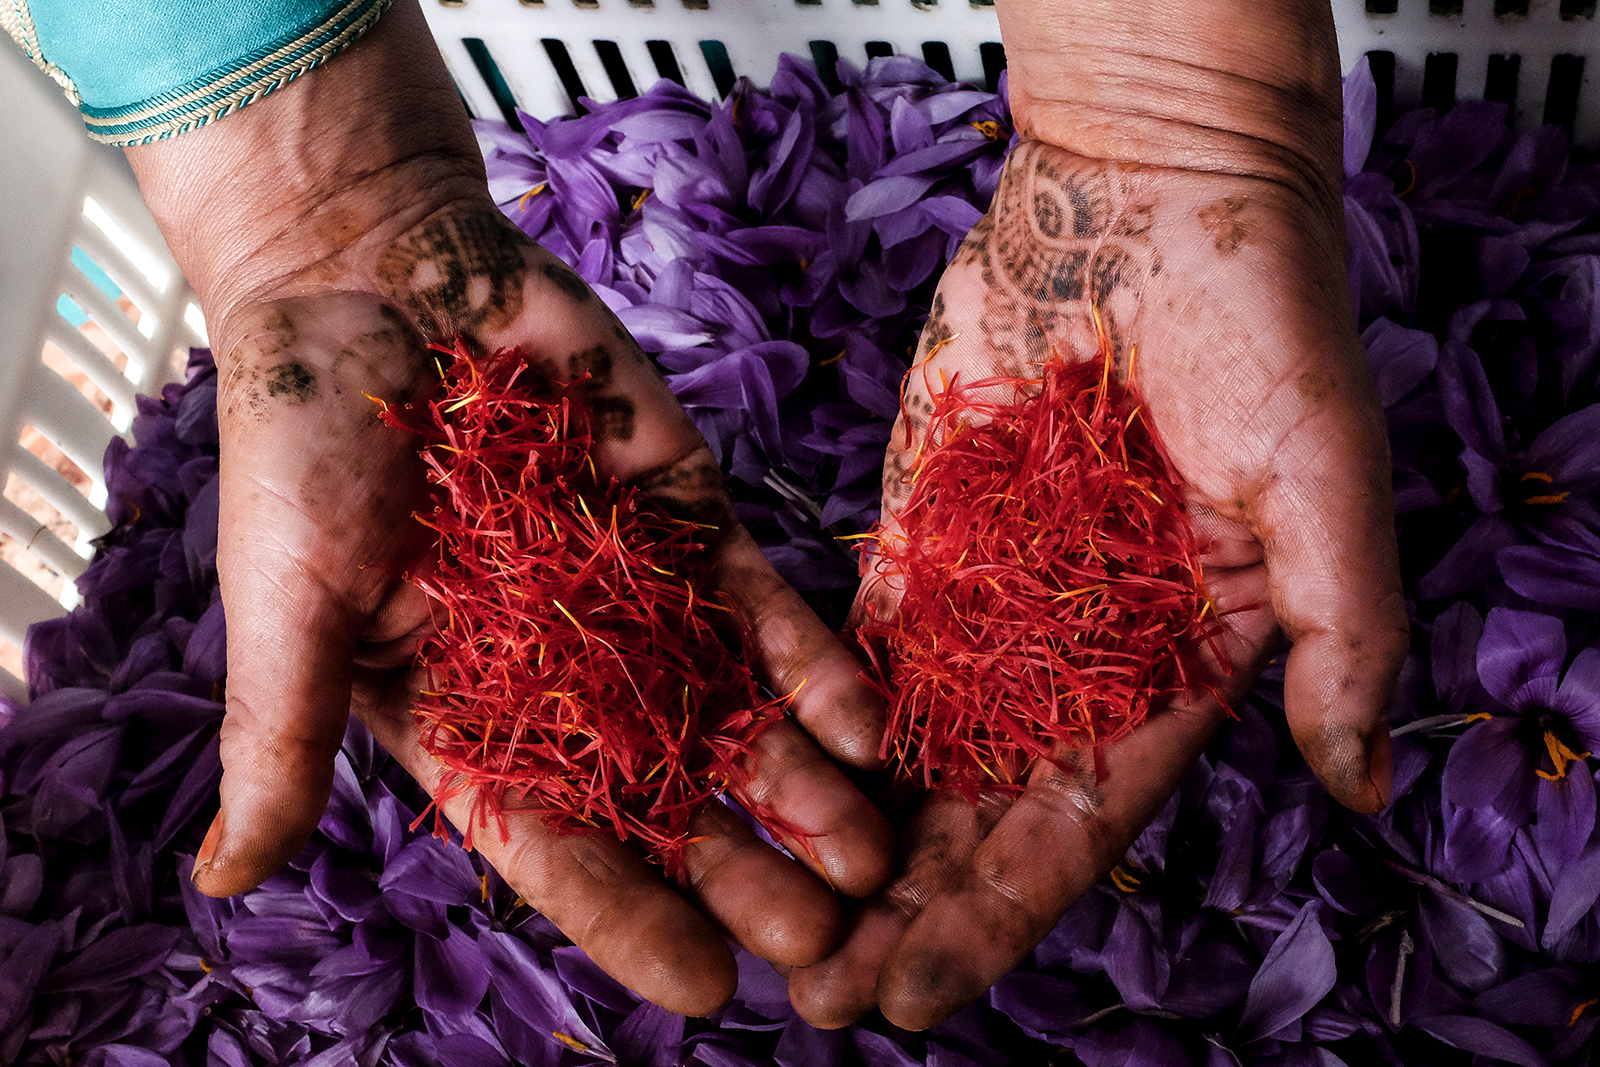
18	22
310	59
240	95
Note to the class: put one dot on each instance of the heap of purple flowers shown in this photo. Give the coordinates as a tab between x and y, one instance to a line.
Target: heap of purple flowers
777	253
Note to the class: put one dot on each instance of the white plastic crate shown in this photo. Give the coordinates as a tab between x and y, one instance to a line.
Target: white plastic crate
72	225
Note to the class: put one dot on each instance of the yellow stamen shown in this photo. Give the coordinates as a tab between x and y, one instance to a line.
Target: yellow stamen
1478	716
1537	476
638	201
483	887
1581	1008
1125	880
1561	756
569	1041
1547	498
529	195
989	128
1411	180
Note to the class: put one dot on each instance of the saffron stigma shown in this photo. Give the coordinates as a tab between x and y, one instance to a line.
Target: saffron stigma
627	722
1052	582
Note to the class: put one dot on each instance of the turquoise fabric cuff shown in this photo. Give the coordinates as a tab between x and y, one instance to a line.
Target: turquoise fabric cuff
142	70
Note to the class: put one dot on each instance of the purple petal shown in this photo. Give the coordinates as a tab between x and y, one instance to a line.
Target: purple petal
452	974
467	1050
1135	961
650	1037
1477	842
1517	648
1569	450
1360	116
879	1050
1551	575
1575	893
119	955
1349	885
1485	762
532	990
1482	1038
1398	972
1208	978
22	969
1465	943
1471	561
198	788
1469	402
21	880
1579	697
1457	633
118	1055
1297	972
432	870
1566	810
1540	998
1401	358
884	196
281	941
803	1045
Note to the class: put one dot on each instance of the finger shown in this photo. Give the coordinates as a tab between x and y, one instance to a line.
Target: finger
771	906
1328	539
1060	837
938	843
799	655
597	891
315	503
815	812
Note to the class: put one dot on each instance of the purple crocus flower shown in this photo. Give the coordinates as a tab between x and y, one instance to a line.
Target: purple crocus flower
1540	492
1530	755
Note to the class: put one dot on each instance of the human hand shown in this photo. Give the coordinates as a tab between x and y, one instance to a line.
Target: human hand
374	234
1220	257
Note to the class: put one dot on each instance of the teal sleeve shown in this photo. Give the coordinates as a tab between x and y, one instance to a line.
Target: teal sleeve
141	70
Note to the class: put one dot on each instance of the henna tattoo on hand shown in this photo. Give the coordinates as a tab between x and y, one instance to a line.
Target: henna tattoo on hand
692	490
1060	239
1222	220
460	271
293	380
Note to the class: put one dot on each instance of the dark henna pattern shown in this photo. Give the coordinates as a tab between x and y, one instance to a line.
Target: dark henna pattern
1223	220
293	380
567	280
1042	276
690	490
458	272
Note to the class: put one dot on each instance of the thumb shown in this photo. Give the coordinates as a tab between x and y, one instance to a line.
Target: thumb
1327	535
315	533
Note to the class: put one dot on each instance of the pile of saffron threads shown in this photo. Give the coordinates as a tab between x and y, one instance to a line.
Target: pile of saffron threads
1052	582
575	668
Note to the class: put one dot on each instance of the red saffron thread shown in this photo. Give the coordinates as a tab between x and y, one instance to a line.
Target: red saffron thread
1052	581
576	669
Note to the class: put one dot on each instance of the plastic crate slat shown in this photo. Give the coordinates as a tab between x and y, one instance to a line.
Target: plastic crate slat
13	687
60	493
25	604
39	539
104	311
71	422
93	362
111	259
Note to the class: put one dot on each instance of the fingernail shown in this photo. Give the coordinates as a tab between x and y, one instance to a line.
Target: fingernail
208	848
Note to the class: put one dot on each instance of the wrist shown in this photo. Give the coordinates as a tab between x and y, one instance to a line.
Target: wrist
292	190
1217	86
